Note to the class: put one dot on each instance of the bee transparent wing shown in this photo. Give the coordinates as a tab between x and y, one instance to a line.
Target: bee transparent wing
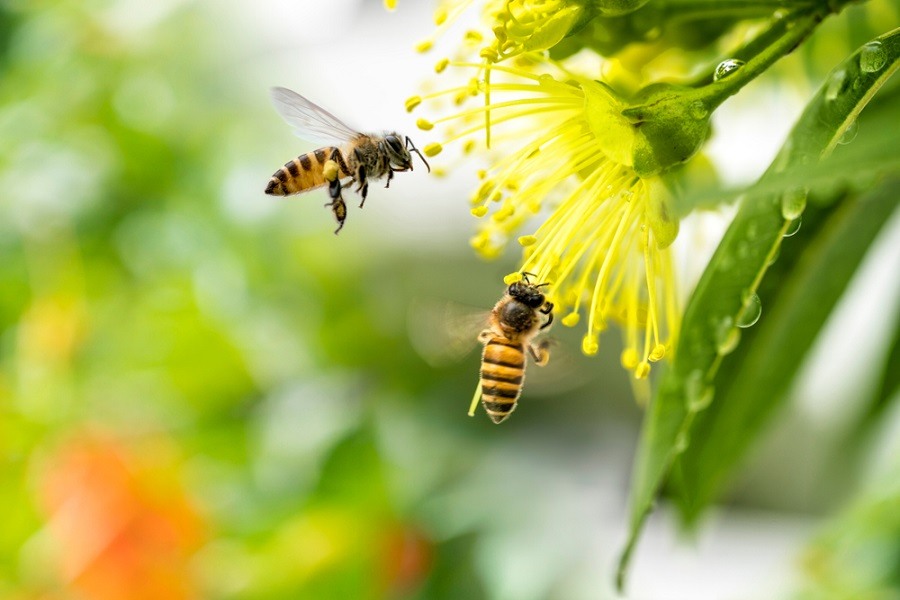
310	121
443	332
562	372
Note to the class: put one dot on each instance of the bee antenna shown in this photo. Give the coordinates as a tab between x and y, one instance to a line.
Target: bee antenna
411	146
526	275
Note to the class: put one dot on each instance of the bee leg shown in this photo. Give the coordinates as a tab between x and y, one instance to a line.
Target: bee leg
390	176
540	352
337	203
547	310
365	192
485	336
340	213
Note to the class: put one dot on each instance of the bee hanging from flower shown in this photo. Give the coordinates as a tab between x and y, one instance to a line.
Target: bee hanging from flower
514	322
361	157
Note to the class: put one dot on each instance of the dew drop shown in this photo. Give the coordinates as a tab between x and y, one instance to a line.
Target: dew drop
682	441
698	110
835	84
793	203
872	57
727	336
726	68
699	394
850	133
774	256
750	312
793	228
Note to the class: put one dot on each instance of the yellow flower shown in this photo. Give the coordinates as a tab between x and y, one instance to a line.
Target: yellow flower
516	26
604	241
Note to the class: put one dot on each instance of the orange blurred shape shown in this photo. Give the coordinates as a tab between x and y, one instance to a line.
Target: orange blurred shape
407	559
123	527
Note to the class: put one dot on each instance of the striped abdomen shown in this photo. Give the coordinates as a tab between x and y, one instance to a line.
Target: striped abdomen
304	173
502	374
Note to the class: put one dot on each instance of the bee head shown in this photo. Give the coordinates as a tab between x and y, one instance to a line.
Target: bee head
398	151
527	293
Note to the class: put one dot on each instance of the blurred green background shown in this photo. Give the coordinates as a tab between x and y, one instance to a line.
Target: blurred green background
206	394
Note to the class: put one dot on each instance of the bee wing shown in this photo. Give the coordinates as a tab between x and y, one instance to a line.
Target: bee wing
561	373
443	332
309	120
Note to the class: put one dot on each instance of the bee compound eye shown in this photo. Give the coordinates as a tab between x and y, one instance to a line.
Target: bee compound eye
394	142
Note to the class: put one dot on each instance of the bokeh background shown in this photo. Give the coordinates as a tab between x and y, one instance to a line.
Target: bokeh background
204	393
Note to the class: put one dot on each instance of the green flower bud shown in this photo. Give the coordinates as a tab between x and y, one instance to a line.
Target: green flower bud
671	125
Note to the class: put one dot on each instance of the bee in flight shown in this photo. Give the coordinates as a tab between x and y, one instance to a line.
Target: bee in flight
514	322
359	158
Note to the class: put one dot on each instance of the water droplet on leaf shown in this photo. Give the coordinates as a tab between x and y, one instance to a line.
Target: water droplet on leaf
727	336
682	441
793	203
872	57
750	312
726	68
699	394
835	84
850	133
794	227
698	110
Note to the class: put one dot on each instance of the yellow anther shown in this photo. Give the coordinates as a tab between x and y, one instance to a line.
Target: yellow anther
527	240
571	319
479	241
479	211
412	102
473	37
441	65
512	278
630	358
424	46
503	213
390	4
440	15
658	352
424	124
489	54
642	370
590	344
469	146
432	149
484	191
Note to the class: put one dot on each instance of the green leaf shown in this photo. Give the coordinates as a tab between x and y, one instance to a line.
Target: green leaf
733	276
753	381
888	386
